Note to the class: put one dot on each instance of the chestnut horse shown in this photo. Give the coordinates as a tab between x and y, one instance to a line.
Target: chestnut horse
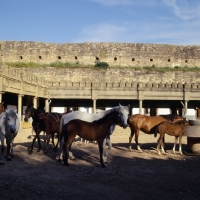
147	125
174	129
95	130
52	126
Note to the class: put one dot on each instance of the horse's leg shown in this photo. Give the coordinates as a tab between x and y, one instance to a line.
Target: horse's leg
56	146
60	157
180	145
2	151
163	145
104	150
8	156
11	149
109	142
39	145
71	156
100	143
66	150
136	140
52	136
31	149
130	139
175	142
159	141
47	141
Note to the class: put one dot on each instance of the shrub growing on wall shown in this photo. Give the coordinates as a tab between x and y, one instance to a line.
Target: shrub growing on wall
104	65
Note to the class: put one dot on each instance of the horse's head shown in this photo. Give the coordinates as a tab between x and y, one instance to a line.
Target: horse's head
29	112
178	118
123	113
186	122
11	122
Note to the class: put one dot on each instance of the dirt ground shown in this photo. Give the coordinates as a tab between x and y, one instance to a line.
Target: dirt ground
128	175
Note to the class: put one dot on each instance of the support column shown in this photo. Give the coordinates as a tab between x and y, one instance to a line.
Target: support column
94	105
185	108
140	106
19	110
47	105
0	97
35	102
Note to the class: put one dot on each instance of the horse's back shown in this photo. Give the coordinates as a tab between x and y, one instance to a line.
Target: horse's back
145	122
172	128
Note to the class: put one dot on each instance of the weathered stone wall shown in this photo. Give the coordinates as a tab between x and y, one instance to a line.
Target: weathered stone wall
113	75
115	54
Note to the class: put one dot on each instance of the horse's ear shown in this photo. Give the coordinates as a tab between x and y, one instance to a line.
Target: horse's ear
120	105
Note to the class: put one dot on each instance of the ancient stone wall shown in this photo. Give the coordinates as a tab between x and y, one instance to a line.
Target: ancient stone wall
112	75
115	54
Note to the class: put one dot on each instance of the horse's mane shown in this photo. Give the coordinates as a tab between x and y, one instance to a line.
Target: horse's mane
170	117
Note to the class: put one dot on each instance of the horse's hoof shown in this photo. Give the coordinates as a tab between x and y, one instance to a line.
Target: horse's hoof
72	158
103	166
30	152
66	164
130	149
45	152
58	159
1	162
9	158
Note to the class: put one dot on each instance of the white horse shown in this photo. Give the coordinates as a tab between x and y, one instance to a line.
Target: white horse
90	117
9	127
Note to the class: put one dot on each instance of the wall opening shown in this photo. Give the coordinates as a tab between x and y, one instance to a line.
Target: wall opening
59	57
115	58
186	61
169	60
151	60
133	59
76	57
40	57
21	57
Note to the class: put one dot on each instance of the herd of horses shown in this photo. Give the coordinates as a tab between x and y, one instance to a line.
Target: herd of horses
92	127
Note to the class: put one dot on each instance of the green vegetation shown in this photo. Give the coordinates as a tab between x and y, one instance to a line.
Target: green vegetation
54	64
103	65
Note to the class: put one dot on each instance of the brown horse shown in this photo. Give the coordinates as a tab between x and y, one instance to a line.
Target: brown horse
52	126
174	129
1	107
96	130
147	125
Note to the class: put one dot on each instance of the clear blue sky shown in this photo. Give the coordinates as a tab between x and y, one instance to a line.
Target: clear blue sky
78	21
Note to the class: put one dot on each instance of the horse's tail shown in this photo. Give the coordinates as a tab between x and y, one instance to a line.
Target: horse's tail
154	130
61	128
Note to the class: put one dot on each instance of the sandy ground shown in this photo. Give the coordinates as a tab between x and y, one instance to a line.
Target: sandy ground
128	175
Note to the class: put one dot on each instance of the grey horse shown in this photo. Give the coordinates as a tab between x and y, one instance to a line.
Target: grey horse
9	127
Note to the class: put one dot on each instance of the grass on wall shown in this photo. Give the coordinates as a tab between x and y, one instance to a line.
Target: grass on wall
103	65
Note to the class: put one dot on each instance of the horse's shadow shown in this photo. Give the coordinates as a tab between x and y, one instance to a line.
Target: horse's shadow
149	147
